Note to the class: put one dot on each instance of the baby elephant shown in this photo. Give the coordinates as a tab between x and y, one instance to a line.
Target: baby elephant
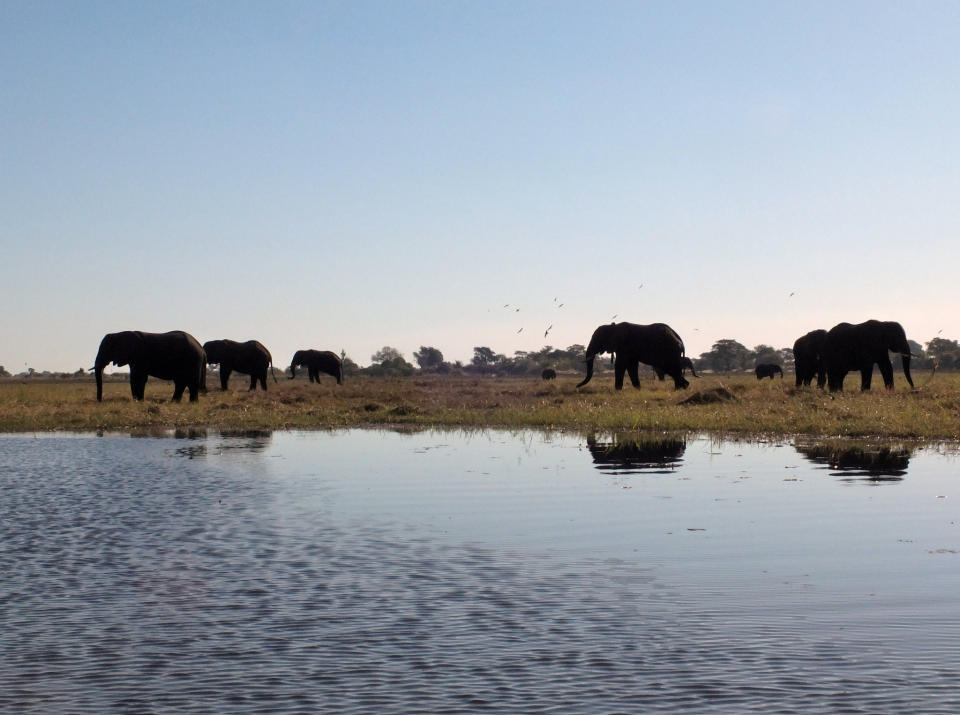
549	374
768	370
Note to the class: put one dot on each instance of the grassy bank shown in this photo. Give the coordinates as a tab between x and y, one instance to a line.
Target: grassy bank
731	404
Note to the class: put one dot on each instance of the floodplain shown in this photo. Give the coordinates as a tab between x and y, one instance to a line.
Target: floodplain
730	404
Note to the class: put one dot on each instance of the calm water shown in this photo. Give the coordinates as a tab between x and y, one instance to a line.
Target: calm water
379	572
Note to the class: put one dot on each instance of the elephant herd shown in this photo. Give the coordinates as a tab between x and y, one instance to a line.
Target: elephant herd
826	355
178	356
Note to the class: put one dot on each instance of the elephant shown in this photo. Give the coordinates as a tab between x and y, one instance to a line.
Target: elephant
549	374
808	358
857	347
176	356
250	358
657	345
317	361
768	370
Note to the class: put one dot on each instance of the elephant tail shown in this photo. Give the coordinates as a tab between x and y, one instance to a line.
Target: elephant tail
273	373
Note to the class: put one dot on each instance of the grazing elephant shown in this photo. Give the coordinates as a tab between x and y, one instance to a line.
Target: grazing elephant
317	361
857	347
549	374
251	358
768	370
173	356
657	345
808	358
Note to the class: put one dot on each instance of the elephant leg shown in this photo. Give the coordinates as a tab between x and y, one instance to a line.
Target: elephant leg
138	384
253	383
618	369
224	377
886	369
679	381
866	376
836	381
634	372
821	379
263	380
178	388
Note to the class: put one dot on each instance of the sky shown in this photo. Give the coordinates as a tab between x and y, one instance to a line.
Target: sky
352	175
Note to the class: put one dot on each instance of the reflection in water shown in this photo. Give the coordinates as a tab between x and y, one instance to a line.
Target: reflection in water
242	441
631	453
859	461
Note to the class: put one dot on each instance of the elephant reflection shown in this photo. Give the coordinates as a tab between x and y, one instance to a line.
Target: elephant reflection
859	460
631	454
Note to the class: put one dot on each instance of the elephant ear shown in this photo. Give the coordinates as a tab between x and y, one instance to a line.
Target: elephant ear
127	347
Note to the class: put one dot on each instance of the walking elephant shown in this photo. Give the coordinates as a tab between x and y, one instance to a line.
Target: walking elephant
176	356
250	358
857	347
549	374
657	345
317	361
808	358
768	370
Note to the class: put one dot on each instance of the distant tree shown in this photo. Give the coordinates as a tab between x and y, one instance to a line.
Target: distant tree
385	354
483	357
3	372
944	353
727	355
786	357
765	354
428	358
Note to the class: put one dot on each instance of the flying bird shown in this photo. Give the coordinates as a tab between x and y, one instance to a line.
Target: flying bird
520	331
547	330
614	316
561	305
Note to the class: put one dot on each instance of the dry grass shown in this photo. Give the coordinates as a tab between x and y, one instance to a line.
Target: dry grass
733	405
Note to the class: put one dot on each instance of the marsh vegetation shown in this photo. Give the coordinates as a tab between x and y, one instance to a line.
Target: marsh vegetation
736	404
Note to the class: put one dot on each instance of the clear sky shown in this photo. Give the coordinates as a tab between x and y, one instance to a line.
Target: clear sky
349	175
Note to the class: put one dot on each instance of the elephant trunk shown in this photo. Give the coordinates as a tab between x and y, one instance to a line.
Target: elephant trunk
589	371
293	371
905	360
98	370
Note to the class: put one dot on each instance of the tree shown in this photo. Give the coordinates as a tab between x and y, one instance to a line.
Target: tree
386	354
428	358
483	357
945	353
3	372
764	354
727	355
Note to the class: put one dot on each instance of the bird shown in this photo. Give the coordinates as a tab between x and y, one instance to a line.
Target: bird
614	316
791	294
561	305
640	286
547	330
520	331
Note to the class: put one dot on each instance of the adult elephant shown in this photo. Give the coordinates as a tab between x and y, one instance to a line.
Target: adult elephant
768	370
808	358
250	358
176	356
317	361
548	374
657	345
858	347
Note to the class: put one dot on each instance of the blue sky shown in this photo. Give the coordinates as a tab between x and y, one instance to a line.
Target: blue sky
349	175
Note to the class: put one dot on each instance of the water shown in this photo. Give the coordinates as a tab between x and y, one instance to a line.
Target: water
379	572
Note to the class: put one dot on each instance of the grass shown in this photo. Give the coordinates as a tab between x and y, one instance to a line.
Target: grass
729	404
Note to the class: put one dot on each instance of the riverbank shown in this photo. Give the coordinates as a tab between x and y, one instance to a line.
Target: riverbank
733	404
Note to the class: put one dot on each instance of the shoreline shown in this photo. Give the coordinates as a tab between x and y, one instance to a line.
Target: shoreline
735	405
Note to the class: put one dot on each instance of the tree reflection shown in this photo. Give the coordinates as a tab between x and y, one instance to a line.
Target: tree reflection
630	453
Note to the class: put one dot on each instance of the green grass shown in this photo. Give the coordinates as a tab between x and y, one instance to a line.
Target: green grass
730	404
